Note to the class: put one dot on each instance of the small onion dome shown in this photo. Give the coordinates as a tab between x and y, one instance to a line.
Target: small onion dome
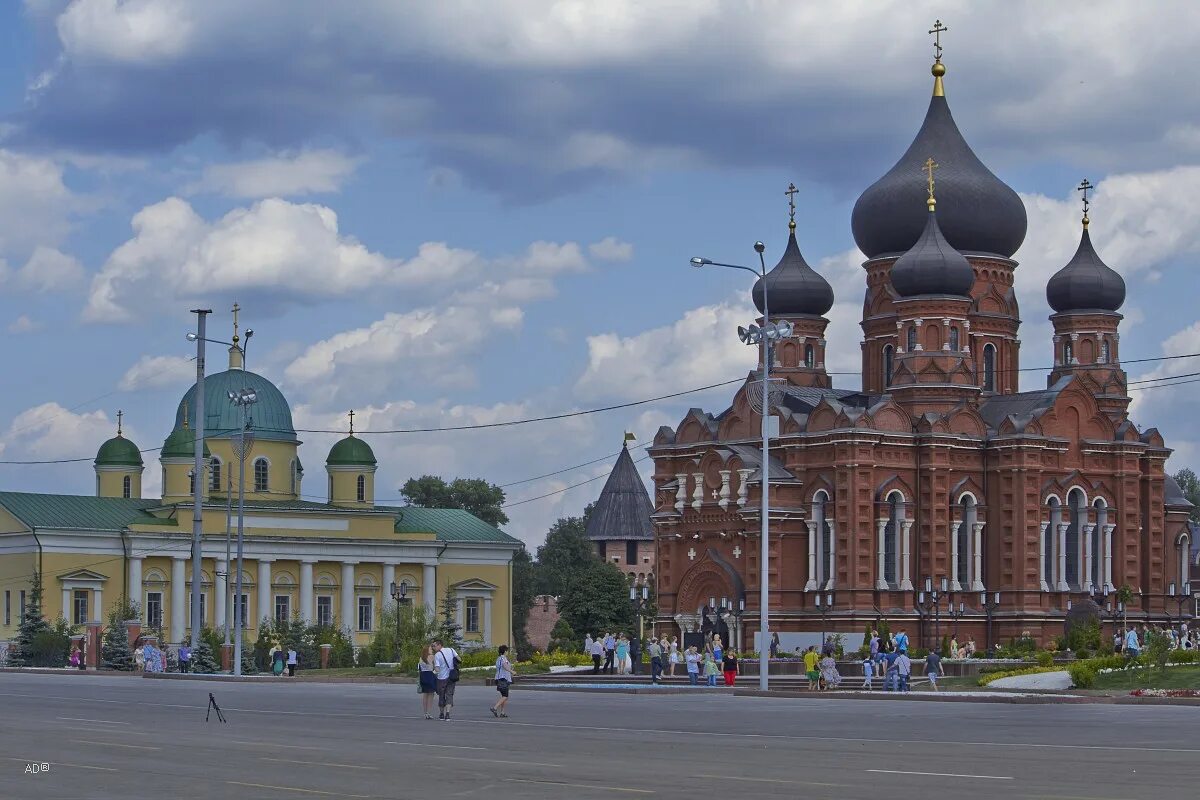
793	287
181	443
118	452
351	452
932	266
1086	282
981	213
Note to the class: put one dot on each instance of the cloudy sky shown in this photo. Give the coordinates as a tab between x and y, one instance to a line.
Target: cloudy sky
456	213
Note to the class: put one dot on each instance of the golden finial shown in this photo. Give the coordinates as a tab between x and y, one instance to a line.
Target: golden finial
930	166
236	309
1085	187
352	422
938	69
120	414
791	196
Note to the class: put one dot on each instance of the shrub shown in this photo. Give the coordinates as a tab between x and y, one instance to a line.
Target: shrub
1183	657
203	660
563	638
1083	675
984	680
1157	651
1044	659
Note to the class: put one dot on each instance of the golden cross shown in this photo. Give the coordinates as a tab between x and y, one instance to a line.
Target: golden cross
236	309
791	196
120	414
937	31
930	166
1085	187
352	421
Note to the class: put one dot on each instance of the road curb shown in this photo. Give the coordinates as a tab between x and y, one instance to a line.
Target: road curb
929	697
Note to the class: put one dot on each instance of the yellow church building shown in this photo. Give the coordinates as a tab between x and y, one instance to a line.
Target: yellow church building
325	562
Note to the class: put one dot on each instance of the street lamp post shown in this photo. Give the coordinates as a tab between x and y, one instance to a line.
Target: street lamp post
764	336
198	472
989	604
1180	599
956	613
936	593
243	400
825	608
639	601
398	590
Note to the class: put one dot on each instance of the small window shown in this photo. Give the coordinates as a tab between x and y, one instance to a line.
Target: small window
887	366
954	339
21	608
7	607
331	488
472	615
365	608
631	552
203	606
989	368
293	477
79	606
602	550
127	487
912	338
810	357
242	609
154	609
214	475
283	607
324	610
192	482
1105	351
361	488
261	475
1068	353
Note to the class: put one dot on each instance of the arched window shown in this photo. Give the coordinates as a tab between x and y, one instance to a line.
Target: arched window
1105	351
989	368
214	473
912	338
362	488
192	482
887	366
1095	538
810	357
262	471
963	542
331	488
127	487
1077	508
1068	353
292	477
891	537
824	533
1185	546
1051	572
954	338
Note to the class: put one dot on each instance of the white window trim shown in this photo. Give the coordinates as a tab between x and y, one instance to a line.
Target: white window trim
358	615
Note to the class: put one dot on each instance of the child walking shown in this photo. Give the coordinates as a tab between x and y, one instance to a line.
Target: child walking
868	672
710	668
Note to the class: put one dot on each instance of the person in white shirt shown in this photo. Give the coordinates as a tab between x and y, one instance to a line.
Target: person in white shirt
587	644
444	660
597	654
504	678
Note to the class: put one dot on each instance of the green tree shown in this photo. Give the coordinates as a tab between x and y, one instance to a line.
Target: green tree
115	650
483	499
562	638
23	652
565	555
1190	483
523	593
597	600
449	631
1157	650
203	659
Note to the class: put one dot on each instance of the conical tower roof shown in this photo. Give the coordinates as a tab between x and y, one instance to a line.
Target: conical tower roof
623	509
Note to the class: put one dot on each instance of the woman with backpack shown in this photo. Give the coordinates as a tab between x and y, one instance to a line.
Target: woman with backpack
504	677
445	662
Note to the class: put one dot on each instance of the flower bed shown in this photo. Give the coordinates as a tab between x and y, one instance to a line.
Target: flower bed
1166	693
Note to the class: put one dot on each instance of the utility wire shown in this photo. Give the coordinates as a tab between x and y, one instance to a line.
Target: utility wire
564	489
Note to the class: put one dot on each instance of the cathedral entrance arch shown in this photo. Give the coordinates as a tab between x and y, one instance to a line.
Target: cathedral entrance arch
711	579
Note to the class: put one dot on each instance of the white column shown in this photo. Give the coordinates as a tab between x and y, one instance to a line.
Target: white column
220	592
905	579
724	495
1062	556
743	486
977	574
429	588
698	490
955	586
881	577
1042	545
389	577
831	553
487	621
306	589
812	558
68	609
458	613
680	490
348	609
1108	532
264	590
1088	555
178	604
135	583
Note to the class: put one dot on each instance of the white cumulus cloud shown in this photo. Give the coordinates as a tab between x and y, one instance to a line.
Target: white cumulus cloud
610	248
283	175
50	270
154	372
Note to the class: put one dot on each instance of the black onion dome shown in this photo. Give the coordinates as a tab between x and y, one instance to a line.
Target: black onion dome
932	266
982	214
1086	282
793	287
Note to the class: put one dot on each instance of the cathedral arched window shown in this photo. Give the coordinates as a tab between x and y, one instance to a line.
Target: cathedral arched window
1048	565
989	368
1105	351
331	488
1077	511
912	338
127	487
361	488
824	533
191	482
1185	546
1095	538
294	477
261	474
214	474
963	541
1068	353
891	538
810	359
887	365
954	339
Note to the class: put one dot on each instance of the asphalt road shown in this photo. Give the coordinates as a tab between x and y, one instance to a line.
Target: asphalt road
128	737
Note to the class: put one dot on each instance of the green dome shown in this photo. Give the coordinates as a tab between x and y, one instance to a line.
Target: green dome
182	444
118	452
351	452
271	414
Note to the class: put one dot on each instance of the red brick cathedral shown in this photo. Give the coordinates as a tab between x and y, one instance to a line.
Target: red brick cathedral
938	467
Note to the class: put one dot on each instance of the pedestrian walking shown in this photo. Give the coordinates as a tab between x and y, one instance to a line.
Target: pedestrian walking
446	662
717	648
730	666
426	681
874	644
587	644
278	661
656	665
504	679
139	656
902	641
597	654
1132	647
622	654
292	661
903	670
610	652
811	660
673	656
868	668
692	660
774	649
185	658
933	668
76	657
891	673
830	676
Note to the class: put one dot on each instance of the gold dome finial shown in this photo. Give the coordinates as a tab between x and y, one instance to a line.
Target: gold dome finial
938	69
236	309
1085	187
930	166
352	422
791	196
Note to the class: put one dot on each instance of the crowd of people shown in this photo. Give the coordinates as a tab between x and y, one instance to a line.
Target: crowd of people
1133	641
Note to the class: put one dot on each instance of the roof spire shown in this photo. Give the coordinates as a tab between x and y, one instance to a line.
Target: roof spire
352	422
1085	187
120	414
938	69
930	166
236	309
791	196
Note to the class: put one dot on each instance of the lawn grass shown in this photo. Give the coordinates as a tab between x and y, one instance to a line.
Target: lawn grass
1172	678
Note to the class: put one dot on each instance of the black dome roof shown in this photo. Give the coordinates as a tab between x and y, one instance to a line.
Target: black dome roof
982	214
793	286
932	266
1086	282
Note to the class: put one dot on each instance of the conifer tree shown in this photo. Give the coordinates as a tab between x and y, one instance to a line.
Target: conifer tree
115	652
23	652
450	632
203	660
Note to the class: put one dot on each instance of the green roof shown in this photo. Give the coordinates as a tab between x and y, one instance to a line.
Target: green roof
181	443
351	452
76	512
271	415
449	525
118	452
